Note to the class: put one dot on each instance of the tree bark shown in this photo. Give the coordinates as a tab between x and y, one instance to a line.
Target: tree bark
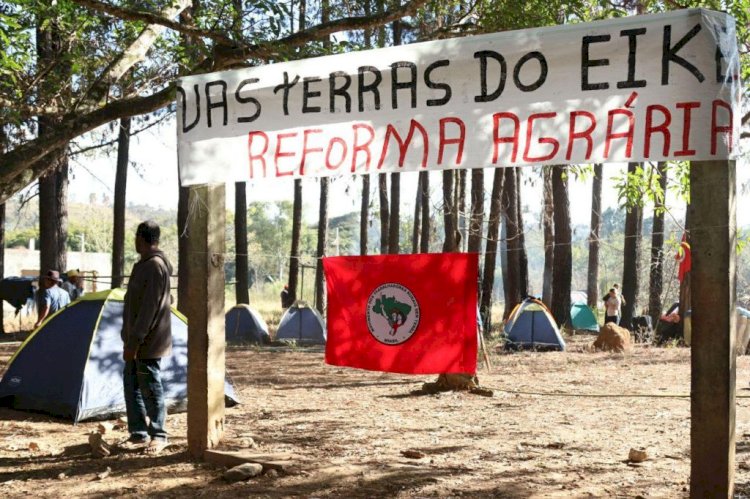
631	259
450	243
523	260
242	283
477	211
53	214
417	218
364	215
395	215
490	251
424	178
549	235
656	276
562	266
384	212
121	184
320	297
592	283
512	272
461	209
296	235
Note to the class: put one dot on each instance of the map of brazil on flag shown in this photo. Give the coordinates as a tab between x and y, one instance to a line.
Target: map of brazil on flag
414	314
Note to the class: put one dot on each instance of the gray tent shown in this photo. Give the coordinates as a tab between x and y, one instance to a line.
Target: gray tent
302	324
244	325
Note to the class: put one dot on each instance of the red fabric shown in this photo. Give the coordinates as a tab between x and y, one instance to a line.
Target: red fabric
683	255
444	286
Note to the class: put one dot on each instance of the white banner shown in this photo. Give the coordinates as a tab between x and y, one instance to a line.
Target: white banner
653	87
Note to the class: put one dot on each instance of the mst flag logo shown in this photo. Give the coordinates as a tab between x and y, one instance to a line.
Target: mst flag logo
392	313
403	313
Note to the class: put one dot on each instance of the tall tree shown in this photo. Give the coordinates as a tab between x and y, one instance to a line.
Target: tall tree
424	194
490	251
364	215
394	222
121	184
450	216
562	266
242	283
512	269
523	259
385	217
656	276
461	208
632	252
549	235
183	269
476	221
294	253
592	282
417	219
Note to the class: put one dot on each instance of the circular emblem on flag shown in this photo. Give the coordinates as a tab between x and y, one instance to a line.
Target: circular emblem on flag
392	313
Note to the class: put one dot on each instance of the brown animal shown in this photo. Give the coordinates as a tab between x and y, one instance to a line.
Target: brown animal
613	338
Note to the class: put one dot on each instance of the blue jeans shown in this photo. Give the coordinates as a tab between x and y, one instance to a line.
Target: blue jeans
144	396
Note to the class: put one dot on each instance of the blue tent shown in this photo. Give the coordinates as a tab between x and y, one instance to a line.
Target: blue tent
531	325
72	365
583	318
302	324
242	324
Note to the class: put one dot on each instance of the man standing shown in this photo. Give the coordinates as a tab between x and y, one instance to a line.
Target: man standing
74	285
147	337
50	297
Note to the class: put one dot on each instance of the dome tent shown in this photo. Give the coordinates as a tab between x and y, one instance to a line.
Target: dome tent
71	366
583	318
532	326
302	324
242	324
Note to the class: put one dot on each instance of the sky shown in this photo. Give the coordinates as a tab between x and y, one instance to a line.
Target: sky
153	182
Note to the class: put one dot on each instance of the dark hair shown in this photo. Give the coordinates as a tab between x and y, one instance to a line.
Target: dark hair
611	290
149	231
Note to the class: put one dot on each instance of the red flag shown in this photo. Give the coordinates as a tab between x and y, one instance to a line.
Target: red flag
412	314
684	258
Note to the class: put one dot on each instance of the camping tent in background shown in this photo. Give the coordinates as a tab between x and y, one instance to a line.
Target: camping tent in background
242	324
578	297
583	318
531	325
302	324
72	365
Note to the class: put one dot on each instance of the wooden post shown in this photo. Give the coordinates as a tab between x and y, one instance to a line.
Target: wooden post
713	366
205	248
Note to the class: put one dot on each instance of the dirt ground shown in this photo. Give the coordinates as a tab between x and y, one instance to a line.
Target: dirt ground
349	428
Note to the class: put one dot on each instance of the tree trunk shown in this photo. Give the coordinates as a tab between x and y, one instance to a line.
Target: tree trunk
242	283
121	184
490	251
296	235
183	284
395	215
562	266
450	243
477	211
523	260
461	209
417	216
384	212
364	215
424	178
656	276
592	283
512	281
320	296
631	259
549	235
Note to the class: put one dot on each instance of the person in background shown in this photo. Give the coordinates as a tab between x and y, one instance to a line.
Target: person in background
612	306
285	297
50	297
147	338
74	285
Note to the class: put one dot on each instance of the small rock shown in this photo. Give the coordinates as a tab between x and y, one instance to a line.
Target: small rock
242	472
412	454
120	424
62	476
104	474
33	447
248	442
272	473
105	428
99	447
637	455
